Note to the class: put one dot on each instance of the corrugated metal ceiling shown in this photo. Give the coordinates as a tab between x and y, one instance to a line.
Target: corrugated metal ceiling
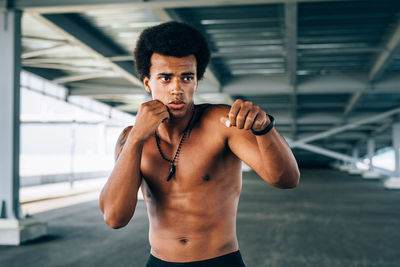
314	65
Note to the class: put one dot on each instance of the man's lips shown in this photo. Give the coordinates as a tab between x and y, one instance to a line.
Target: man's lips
176	104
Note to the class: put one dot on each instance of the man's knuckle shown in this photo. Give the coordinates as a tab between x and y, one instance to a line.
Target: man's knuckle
238	102
257	124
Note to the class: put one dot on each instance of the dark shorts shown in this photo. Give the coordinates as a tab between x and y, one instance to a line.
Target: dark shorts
233	259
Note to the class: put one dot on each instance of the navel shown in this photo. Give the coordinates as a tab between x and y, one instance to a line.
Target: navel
206	177
183	241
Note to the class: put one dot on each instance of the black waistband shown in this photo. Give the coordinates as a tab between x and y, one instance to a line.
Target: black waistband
233	259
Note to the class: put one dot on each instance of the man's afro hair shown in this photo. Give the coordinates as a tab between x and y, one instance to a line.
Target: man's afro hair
171	39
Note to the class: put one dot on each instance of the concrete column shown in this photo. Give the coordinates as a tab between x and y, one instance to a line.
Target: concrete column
394	181
371	152
14	228
9	113
396	147
354	170
72	177
355	153
371	174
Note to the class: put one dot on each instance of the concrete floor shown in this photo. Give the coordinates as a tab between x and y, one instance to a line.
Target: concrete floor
331	219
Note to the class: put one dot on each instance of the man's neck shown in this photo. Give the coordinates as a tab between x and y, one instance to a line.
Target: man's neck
172	130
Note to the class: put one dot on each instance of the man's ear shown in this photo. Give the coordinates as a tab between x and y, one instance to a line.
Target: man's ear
146	82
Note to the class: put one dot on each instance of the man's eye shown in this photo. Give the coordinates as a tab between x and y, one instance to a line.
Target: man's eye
165	79
187	78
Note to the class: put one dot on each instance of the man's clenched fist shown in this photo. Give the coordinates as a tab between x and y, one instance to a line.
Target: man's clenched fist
246	115
149	117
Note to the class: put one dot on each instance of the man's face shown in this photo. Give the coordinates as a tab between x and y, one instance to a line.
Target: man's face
173	81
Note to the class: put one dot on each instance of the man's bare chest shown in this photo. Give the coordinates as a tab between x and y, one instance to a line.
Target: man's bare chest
200	159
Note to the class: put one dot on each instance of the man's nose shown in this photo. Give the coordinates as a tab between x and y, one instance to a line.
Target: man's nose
176	87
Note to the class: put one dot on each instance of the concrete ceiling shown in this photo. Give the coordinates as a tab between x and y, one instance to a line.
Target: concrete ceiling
314	65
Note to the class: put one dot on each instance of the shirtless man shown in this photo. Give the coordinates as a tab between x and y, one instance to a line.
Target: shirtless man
187	158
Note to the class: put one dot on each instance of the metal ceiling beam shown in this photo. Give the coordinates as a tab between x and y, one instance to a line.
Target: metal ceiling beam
385	57
333	83
80	33
308	85
164	15
39	52
55	60
122	58
260	85
378	68
323	151
334	154
320	128
80	77
254	31
242	53
103	85
354	99
353	135
348	126
341	51
268	71
376	132
42	39
102	91
70	67
70	6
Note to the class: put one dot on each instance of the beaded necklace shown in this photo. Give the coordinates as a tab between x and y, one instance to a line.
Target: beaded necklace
172	169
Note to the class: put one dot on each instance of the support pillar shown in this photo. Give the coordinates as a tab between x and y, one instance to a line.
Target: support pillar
72	155
370	153
354	170
394	181
14	227
370	173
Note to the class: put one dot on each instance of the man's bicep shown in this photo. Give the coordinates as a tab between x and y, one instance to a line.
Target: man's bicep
121	142
244	145
241	142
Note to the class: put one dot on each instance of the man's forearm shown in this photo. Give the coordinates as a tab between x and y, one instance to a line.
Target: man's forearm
119	196
280	166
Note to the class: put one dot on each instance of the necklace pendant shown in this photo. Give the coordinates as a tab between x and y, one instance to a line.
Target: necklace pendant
171	172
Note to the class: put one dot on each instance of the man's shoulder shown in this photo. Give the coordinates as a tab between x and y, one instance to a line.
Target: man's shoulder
127	129
209	117
124	134
211	110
